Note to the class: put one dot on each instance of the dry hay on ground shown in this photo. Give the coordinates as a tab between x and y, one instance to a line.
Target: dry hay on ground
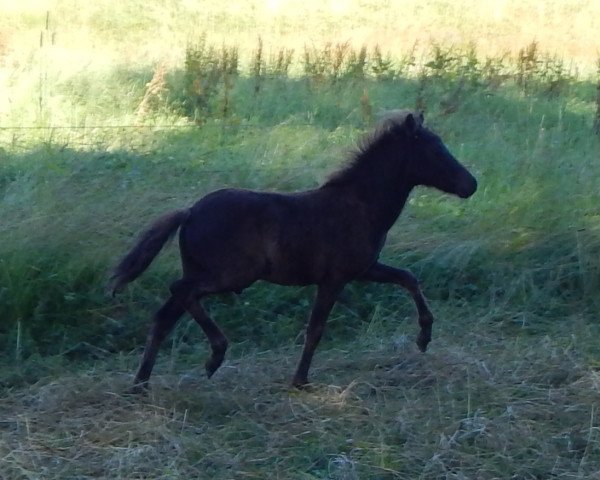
381	413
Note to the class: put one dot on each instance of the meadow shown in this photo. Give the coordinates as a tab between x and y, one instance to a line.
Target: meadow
113	113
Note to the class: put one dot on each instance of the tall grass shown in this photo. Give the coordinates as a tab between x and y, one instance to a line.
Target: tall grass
515	127
512	274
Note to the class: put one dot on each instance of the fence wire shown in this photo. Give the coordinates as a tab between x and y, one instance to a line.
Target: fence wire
107	127
28	143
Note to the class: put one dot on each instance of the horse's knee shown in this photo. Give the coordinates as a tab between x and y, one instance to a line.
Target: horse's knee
426	320
219	345
181	289
411	282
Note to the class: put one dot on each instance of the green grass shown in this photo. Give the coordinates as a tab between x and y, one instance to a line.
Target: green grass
97	142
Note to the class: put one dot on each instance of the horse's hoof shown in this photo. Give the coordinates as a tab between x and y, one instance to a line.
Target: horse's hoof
211	367
139	389
300	383
422	344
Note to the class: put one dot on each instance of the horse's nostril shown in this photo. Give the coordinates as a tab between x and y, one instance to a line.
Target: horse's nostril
469	188
466	186
474	188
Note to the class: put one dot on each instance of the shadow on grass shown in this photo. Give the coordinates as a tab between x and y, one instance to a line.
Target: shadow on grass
74	200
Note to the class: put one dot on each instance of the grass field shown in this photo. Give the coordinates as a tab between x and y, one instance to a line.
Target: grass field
112	113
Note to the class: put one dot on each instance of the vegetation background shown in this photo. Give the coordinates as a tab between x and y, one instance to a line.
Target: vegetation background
114	112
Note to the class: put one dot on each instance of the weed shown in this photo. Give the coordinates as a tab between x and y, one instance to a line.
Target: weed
366	108
382	66
336	56
279	65
202	74
317	64
469	68
407	62
155	95
207	70
229	72
356	66
528	62
554	76
597	113
335	62
258	66
420	100
495	72
442	61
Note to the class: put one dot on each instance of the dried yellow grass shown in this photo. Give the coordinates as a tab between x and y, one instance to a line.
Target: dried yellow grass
499	410
136	31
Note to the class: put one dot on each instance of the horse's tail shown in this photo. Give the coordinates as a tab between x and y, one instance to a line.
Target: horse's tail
146	249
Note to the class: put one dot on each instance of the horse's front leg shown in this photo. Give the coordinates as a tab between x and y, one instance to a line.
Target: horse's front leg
385	274
324	301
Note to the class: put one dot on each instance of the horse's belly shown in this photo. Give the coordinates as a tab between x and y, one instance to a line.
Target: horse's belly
306	266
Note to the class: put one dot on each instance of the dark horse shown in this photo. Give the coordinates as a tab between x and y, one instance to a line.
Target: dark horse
328	236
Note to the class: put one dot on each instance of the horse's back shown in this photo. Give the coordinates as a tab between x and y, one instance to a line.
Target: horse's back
230	233
292	239
233	211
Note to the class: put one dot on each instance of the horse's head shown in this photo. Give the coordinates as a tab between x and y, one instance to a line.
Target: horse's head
428	160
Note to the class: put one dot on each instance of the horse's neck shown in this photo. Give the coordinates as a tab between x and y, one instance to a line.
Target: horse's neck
380	185
385	206
384	194
382	199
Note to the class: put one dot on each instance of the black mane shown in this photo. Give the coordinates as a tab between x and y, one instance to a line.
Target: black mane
364	155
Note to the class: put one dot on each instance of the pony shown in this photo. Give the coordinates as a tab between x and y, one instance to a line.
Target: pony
327	236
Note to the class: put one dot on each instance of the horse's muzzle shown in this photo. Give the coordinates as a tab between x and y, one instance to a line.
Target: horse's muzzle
467	186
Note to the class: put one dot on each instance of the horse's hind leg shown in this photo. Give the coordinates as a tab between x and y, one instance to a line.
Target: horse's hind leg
385	274
189	293
164	321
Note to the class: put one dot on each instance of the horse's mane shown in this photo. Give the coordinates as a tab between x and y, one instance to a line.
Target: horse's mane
362	155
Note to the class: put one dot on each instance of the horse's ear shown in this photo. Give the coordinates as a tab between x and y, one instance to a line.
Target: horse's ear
411	124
